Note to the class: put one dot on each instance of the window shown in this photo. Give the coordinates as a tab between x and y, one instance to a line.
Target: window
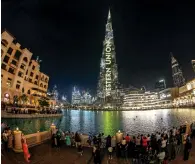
17	86
26	72
3	66
19	82
6	59
46	80
35	83
4	42
14	62
17	55
28	92
2	52
45	86
10	50
23	66
25	59
20	74
41	85
31	74
11	70
30	80
37	77
30	63
9	82
33	67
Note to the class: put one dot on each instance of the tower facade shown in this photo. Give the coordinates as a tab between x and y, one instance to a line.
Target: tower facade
178	79
193	65
108	78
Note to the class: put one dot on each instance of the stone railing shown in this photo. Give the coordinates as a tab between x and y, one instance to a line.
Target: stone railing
37	138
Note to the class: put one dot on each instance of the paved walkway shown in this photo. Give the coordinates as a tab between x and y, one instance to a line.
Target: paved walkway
44	154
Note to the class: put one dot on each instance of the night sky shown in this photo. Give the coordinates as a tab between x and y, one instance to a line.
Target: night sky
68	36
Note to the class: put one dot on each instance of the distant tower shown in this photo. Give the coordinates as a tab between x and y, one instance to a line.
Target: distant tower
178	79
108	78
76	96
193	65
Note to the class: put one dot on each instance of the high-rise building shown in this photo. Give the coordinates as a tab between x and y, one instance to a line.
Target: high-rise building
160	85
76	96
193	65
178	79
20	75
108	78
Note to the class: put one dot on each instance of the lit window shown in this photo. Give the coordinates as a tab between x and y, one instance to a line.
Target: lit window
9	82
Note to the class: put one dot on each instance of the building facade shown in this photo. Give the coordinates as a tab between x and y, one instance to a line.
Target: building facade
193	65
186	96
20	74
137	100
178	79
108	78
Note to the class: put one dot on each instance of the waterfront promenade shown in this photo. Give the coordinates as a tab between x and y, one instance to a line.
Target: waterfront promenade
44	154
11	115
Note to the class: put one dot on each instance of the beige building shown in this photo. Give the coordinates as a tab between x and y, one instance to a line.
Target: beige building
186	95
19	73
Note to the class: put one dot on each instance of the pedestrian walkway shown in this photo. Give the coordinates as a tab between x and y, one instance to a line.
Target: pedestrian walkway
44	154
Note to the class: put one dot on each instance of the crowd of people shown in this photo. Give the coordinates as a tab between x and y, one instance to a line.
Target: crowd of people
159	147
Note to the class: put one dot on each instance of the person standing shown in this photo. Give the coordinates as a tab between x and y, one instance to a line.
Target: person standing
187	148
110	149
97	159
25	150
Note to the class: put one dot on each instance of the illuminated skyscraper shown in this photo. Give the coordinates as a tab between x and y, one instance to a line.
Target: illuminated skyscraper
108	78
178	79
193	65
76	96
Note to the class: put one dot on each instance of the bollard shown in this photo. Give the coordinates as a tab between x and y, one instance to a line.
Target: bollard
17	141
53	129
119	136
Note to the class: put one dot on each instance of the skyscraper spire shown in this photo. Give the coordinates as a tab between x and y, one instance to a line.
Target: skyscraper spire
108	78
178	79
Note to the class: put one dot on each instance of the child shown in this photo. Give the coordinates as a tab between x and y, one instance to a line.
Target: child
80	149
110	149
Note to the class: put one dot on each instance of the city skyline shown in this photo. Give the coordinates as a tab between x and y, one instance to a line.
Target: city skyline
143	41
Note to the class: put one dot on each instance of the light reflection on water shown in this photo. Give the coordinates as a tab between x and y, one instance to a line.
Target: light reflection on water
108	122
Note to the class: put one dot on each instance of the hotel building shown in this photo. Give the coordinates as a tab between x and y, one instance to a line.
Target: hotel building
20	74
145	100
186	96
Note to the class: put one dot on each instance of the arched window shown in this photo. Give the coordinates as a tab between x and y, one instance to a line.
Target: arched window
2	52
35	82
28	92
45	86
4	42
25	59
41	85
46	80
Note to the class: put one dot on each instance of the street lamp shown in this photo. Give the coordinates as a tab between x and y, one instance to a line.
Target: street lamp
162	80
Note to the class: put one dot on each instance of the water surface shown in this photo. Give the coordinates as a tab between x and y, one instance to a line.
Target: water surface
108	122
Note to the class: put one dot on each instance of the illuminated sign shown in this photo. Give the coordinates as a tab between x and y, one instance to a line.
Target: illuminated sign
108	62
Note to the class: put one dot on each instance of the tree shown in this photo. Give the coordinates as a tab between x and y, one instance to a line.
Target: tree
43	102
23	98
16	99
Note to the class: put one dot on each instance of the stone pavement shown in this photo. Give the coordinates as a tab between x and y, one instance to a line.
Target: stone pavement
44	154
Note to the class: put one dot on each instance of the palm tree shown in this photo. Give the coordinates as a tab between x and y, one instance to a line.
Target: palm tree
43	102
16	99
23	99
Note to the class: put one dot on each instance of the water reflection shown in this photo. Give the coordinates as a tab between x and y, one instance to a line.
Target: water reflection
132	122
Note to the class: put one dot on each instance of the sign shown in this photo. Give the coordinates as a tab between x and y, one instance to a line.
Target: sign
108	62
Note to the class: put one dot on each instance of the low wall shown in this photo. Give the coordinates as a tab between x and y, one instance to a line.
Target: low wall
41	137
37	138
